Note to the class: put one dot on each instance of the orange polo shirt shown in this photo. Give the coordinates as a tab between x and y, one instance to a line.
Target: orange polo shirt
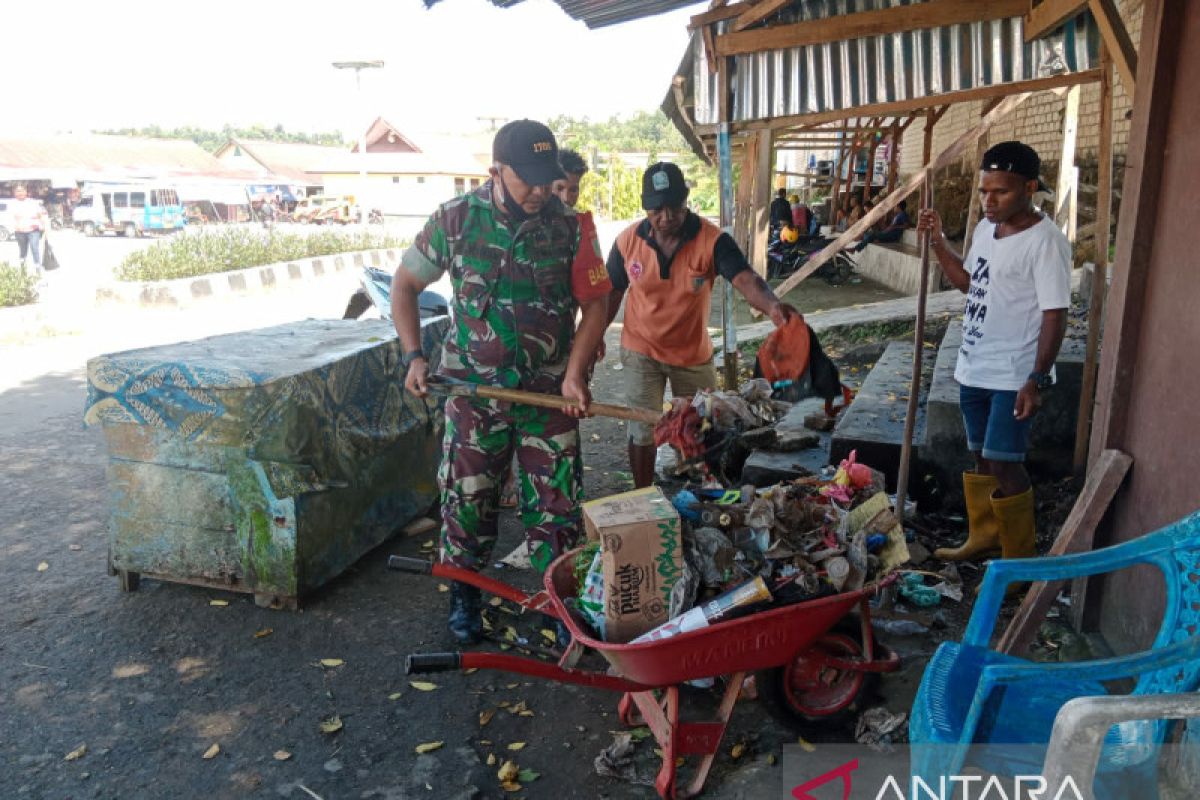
668	300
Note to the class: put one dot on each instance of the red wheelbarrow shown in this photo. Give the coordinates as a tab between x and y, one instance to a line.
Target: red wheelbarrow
811	663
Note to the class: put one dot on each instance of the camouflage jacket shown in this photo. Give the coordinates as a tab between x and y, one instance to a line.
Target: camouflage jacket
514	313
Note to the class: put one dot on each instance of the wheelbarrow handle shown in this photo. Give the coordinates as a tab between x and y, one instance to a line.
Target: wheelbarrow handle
417	566
420	663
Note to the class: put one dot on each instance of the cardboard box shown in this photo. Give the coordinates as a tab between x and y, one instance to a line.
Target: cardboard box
641	542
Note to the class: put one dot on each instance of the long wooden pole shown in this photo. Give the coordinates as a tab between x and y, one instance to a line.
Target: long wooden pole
914	387
1087	392
725	181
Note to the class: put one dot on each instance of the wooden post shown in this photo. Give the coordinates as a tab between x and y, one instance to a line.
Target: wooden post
894	157
834	200
973	208
1064	194
914	387
762	202
866	195
1087	392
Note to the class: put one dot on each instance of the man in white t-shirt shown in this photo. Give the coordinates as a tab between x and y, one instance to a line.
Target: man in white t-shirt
1017	278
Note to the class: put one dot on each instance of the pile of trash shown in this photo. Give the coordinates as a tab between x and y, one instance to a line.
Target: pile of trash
740	550
701	429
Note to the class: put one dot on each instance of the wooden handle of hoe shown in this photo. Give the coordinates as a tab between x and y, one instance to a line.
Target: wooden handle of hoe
557	401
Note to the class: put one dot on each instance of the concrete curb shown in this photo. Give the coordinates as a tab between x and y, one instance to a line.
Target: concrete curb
186	291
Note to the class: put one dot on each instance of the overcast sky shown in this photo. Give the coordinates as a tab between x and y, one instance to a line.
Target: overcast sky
74	66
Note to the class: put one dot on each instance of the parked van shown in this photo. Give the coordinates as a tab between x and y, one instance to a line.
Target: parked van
128	210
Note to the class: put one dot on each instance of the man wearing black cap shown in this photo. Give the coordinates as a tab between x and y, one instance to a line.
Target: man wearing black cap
1017	278
668	263
519	271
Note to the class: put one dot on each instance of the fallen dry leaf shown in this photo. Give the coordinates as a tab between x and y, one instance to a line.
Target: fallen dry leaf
281	755
443	587
526	713
331	725
491	759
427	545
737	751
423	686
486	716
212	751
428	747
42	567
470	670
76	753
517	746
508	771
495	601
549	634
511	685
331	662
218	602
504	704
805	746
771	759
510	786
76	547
395	696
265	632
518	708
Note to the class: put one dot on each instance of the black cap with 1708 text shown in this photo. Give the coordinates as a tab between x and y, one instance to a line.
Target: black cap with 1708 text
529	148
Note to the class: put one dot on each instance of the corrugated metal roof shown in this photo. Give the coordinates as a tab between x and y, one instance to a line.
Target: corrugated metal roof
841	75
600	13
290	160
95	156
402	164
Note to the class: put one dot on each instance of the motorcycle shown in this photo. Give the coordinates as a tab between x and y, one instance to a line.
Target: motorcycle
376	290
375	217
785	258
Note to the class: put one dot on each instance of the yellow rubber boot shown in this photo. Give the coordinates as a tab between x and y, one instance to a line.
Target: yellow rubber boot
1018	536
983	528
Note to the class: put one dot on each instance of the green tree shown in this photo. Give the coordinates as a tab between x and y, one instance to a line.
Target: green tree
211	140
644	132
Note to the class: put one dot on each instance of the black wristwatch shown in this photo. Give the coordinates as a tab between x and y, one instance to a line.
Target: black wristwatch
411	356
1042	380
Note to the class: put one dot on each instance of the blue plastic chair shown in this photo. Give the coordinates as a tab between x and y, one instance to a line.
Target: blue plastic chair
971	696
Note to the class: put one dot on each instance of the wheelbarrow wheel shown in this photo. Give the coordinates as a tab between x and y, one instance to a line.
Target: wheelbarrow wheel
806	695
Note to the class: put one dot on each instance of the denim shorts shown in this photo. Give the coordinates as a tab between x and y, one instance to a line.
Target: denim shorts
991	426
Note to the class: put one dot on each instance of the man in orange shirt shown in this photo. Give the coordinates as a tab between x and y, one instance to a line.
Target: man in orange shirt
668	264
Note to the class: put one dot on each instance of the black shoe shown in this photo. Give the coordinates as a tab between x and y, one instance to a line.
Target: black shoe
465	622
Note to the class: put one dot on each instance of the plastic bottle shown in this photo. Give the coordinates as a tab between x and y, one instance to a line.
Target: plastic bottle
710	611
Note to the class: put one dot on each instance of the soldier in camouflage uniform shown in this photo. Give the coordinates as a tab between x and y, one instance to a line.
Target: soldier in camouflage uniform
520	270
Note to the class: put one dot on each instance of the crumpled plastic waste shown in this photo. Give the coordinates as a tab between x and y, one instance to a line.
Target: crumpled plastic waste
616	761
683	593
590	600
713	555
683	428
914	590
879	728
686	504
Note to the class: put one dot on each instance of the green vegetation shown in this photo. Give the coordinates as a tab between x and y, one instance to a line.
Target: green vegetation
211	140
17	286
230	248
600	143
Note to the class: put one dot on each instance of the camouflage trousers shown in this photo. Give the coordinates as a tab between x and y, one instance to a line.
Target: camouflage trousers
481	437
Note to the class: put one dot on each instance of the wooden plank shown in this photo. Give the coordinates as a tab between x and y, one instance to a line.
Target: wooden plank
974	208
1064	195
921	103
710	51
717	14
932	14
1116	38
877	213
1137	227
759	12
1075	536
1087	392
1048	15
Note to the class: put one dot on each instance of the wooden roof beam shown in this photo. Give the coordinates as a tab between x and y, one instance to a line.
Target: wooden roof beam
925	104
720	13
932	14
1116	39
1049	14
760	11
